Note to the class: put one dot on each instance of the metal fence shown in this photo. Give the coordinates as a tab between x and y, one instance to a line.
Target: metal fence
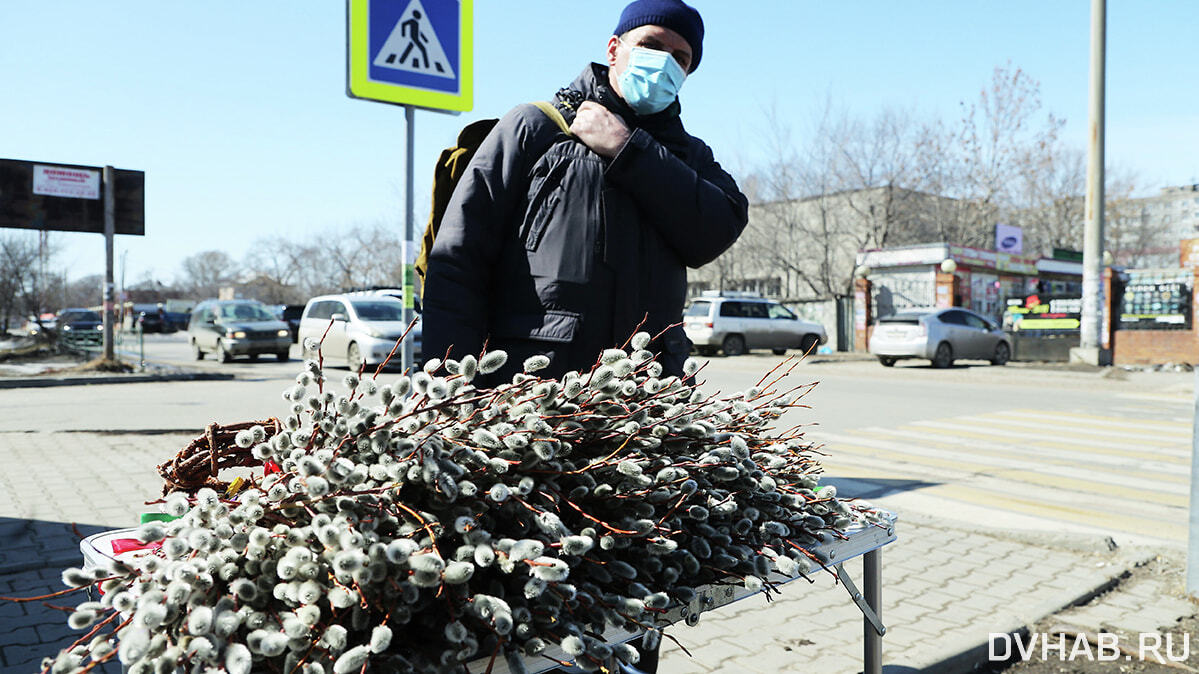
90	344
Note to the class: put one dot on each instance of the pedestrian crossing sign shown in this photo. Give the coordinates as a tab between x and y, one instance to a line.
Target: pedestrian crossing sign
411	52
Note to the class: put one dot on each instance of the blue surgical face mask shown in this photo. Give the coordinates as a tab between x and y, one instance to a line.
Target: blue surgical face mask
651	80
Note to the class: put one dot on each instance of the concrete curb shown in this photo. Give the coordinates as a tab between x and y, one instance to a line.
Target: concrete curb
45	382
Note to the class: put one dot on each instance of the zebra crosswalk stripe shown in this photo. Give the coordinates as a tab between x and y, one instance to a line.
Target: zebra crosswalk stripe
1096	471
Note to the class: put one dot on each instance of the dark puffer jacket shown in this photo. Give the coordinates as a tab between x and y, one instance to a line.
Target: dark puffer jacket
546	247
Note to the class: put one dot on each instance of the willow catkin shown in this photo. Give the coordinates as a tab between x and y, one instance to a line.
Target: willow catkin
510	518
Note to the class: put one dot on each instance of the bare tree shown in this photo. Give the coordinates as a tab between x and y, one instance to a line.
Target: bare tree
1003	144
1132	235
858	183
18	257
206	272
284	270
852	186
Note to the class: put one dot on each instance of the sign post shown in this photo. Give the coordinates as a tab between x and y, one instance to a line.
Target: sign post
417	54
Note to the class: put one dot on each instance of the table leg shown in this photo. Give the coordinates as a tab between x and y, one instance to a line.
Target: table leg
872	570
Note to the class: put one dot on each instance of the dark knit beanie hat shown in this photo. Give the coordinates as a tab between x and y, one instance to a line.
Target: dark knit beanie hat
673	14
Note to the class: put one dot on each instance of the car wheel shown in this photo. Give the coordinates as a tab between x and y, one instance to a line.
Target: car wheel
354	357
199	355
778	352
1003	353
808	344
221	354
254	357
943	356
733	345
887	361
283	356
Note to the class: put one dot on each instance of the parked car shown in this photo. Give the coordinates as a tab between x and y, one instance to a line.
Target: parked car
178	313
46	324
176	321
79	326
149	317
361	328
940	335
738	322
229	328
290	314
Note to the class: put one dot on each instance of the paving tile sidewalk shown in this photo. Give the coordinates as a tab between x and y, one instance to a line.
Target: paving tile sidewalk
53	487
944	588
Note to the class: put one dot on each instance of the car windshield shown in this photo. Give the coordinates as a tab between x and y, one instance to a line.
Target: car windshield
912	317
247	312
71	316
698	309
379	311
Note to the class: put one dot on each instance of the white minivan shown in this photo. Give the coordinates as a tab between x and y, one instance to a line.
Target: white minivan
735	322
356	328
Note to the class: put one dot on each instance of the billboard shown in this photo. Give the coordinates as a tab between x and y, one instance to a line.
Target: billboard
1044	313
68	197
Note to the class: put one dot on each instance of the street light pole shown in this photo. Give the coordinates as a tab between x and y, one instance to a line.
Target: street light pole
1092	252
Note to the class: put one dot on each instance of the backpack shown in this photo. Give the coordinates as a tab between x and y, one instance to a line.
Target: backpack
451	164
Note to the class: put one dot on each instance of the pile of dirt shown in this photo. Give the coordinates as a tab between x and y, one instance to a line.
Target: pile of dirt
99	365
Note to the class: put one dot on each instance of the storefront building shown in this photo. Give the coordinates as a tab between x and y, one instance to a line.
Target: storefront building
1006	288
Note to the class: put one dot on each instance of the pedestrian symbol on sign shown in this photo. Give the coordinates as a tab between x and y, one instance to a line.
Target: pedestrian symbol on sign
413	46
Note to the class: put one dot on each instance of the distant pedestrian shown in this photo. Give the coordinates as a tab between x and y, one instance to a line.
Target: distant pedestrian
562	245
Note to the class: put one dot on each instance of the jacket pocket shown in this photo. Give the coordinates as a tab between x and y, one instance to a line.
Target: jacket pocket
551	326
542	217
545	190
565	221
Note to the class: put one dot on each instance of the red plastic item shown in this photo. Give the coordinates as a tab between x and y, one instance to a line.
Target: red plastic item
120	545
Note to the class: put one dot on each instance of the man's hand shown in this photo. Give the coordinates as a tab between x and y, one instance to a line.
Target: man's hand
597	128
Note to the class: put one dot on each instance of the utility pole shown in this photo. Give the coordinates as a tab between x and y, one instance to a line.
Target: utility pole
110	224
1090	342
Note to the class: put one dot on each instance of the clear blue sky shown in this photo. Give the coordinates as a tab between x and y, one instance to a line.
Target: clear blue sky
237	111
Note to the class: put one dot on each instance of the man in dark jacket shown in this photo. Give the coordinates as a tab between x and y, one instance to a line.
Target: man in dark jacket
563	244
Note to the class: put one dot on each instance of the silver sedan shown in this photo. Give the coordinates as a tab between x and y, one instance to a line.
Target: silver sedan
940	335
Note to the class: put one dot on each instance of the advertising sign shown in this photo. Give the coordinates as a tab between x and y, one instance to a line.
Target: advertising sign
410	52
1043	313
1009	239
1162	305
60	181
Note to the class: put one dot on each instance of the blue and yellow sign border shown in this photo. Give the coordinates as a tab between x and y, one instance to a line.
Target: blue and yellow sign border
358	57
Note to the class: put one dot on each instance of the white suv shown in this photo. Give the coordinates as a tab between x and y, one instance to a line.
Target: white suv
737	322
362	328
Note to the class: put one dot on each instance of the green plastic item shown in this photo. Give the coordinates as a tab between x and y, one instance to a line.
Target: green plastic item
157	517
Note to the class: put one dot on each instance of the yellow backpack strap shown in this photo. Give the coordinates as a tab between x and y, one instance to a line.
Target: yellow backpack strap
554	114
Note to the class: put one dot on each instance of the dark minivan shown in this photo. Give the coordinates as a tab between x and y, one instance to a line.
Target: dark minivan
231	328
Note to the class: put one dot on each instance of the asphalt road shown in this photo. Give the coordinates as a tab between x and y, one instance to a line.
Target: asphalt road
1022	447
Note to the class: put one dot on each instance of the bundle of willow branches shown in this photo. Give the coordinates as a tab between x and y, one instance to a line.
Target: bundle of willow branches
425	523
